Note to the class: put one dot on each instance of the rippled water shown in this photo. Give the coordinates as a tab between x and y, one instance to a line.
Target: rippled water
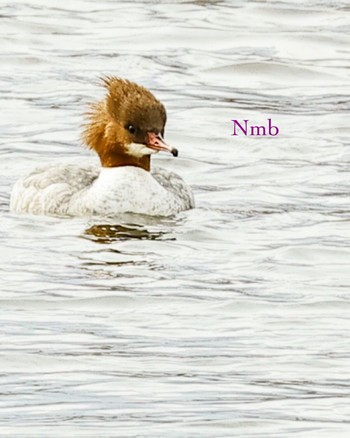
228	320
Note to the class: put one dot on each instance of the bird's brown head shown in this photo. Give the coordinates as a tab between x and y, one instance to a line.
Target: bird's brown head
128	126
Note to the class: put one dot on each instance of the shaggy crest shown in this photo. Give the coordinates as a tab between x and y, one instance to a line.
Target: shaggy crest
125	104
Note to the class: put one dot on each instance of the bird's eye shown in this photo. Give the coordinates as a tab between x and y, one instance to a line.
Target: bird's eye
131	129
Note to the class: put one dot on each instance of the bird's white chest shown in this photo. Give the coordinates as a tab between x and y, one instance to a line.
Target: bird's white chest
124	189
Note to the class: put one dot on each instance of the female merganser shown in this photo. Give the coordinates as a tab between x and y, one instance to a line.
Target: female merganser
125	129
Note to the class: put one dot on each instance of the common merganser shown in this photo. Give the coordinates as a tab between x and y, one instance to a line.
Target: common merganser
125	129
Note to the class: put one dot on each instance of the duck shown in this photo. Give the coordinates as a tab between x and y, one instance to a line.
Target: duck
125	129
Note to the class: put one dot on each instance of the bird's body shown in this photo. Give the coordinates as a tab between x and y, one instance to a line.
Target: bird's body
88	190
125	130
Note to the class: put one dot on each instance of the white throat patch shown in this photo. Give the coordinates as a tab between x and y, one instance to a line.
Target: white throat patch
139	150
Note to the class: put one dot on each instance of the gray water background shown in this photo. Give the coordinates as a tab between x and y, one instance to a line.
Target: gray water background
230	320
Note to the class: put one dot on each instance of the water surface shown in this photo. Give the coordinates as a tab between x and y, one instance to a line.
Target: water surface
231	319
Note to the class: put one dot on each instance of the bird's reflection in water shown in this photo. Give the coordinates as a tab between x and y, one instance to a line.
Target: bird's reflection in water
107	233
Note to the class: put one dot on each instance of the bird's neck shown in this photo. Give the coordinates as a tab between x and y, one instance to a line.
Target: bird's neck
116	159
